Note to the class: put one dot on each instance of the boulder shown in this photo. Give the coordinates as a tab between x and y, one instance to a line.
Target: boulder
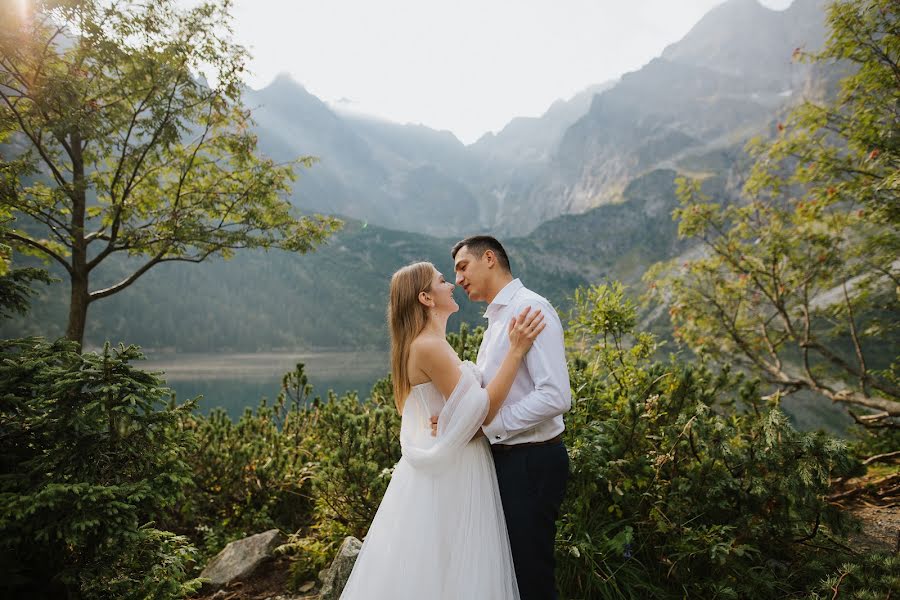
240	558
338	573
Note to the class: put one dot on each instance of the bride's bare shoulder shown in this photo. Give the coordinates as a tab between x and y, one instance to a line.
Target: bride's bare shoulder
426	350
431	358
428	345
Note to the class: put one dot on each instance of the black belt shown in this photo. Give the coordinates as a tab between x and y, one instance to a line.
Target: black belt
508	447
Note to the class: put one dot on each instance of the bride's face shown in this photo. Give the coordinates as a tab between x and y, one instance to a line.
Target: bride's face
442	294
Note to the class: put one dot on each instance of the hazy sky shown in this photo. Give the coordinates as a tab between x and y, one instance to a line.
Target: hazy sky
468	66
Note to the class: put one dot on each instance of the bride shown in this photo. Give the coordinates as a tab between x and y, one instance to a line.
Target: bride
439	532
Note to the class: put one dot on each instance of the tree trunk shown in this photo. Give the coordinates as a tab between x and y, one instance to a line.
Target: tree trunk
78	305
80	295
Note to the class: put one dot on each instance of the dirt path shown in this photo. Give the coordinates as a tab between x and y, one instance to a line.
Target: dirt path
880	528
875	501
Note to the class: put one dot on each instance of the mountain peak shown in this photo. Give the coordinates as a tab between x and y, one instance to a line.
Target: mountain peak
743	4
746	39
284	82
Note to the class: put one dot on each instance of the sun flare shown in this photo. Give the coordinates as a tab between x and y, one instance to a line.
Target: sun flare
24	7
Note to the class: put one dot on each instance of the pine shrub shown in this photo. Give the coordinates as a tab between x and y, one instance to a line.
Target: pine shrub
93	455
685	482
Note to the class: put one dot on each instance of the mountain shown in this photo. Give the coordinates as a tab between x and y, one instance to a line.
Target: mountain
406	177
615	241
513	159
334	298
581	194
534	139
712	90
761	50
700	96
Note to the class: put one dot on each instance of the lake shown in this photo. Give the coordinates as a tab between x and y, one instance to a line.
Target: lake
236	381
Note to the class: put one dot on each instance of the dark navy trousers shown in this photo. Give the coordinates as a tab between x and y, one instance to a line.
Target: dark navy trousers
532	482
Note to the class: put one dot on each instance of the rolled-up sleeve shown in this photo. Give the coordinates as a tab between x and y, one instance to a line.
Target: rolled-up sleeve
552	396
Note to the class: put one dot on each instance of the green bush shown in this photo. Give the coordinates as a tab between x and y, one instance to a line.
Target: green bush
869	577
684	482
253	474
315	469
92	455
357	445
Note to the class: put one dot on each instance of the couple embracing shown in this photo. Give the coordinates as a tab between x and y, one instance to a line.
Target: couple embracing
470	510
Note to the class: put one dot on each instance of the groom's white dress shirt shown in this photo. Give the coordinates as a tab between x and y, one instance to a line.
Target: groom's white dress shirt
540	393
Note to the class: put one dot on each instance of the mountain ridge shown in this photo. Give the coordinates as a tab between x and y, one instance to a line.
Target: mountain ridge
595	206
718	85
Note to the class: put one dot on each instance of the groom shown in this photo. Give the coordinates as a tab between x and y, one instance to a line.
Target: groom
526	435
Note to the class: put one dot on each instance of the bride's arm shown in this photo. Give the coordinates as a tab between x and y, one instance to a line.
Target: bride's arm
440	363
523	330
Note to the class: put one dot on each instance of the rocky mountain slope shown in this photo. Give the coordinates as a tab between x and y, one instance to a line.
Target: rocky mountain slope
715	88
720	85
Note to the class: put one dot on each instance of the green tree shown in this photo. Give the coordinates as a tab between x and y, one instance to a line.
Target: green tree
125	125
15	283
93	456
799	282
16	290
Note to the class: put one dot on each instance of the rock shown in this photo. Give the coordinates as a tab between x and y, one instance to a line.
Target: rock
240	558
304	590
339	572
307	587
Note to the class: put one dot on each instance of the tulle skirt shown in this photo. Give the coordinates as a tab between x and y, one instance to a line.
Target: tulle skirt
439	534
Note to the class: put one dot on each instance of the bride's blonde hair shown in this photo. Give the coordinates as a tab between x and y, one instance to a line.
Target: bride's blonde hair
406	319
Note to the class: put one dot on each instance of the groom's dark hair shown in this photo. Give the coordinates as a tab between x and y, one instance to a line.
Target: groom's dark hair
479	244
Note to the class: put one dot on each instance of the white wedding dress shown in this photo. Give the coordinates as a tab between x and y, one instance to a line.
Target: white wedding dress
439	533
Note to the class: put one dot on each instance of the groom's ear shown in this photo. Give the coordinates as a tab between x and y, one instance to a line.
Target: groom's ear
490	258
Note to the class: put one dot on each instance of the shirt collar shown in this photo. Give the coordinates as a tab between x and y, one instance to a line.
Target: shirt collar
503	297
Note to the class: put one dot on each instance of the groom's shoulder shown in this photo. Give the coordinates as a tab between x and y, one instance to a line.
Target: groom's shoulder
526	297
